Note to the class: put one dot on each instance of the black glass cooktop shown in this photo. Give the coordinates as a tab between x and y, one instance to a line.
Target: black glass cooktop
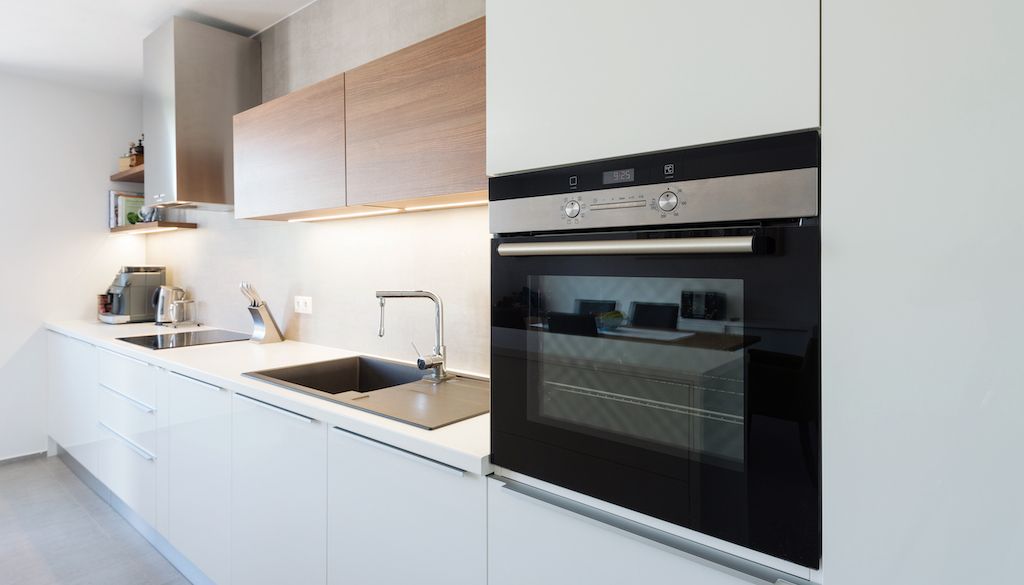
185	338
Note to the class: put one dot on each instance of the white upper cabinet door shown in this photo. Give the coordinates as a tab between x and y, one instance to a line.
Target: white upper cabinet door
198	459
72	408
395	517
278	496
575	80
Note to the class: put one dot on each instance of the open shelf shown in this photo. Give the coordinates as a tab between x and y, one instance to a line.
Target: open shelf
151	227
135	174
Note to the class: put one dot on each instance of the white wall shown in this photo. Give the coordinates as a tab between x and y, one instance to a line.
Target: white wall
923	273
341	264
58	146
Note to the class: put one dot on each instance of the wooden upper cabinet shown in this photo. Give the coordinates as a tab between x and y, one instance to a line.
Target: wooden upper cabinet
415	120
290	154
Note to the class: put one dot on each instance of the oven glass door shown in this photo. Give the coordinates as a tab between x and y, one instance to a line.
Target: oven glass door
681	382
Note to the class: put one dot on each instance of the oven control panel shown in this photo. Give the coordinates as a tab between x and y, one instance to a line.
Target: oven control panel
652	204
776	194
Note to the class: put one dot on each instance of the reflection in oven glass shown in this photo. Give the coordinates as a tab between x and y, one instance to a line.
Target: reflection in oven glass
625	358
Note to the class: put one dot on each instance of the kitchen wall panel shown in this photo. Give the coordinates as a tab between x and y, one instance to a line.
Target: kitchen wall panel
340	264
58	146
331	36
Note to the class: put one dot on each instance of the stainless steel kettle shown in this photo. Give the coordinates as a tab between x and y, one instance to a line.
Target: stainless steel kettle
163	300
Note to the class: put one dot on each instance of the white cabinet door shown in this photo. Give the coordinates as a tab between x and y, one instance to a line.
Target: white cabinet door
572	81
396	517
530	541
71	404
198	459
278	495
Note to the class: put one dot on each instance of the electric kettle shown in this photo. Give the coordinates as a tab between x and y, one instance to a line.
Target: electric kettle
163	300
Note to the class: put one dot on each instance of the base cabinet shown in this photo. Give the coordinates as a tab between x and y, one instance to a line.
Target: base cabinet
72	400
278	496
198	459
530	541
397	517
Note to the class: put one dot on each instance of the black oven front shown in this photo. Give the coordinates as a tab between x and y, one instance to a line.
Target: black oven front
667	360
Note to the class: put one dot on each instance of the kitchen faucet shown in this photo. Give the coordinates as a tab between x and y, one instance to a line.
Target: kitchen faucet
435	361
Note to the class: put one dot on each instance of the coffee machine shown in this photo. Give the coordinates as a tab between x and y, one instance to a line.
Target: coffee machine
130	295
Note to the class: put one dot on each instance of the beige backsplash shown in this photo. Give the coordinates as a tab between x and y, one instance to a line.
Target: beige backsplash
340	264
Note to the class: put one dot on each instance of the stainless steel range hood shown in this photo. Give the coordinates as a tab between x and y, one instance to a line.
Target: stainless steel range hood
196	78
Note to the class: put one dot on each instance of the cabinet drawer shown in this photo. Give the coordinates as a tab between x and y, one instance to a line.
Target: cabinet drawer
129	376
129	417
129	471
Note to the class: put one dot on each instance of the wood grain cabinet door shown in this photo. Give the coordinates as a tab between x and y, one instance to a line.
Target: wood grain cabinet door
290	153
415	120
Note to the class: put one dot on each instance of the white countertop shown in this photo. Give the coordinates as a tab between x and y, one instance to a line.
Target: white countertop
465	444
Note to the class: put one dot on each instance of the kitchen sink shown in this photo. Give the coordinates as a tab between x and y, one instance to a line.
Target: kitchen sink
391	389
359	374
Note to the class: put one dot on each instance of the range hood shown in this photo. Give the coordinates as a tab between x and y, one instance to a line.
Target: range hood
195	78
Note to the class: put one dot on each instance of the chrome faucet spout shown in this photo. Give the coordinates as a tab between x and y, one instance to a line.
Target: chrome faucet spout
436	361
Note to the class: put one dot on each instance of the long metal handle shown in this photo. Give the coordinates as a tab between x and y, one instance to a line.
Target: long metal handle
726	560
198	382
713	245
401	452
136	403
277	409
145	454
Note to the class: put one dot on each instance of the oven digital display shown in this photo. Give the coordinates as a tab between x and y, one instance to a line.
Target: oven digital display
619	176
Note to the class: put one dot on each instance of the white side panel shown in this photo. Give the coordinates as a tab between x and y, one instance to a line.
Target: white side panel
921	304
530	541
198	459
278	496
575	80
395	517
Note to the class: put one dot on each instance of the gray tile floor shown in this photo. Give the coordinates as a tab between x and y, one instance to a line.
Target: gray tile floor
54	529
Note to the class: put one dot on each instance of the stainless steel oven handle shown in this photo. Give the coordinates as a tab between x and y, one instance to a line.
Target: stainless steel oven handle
704	245
722	559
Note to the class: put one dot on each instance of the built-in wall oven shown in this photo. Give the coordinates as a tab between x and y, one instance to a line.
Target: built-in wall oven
655	336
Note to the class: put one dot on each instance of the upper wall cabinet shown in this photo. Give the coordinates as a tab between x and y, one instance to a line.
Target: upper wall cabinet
415	120
567	82
290	153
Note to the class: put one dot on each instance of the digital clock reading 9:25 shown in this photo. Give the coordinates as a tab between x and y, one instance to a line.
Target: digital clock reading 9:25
619	176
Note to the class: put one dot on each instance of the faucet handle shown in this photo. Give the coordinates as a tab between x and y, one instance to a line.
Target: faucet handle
425	362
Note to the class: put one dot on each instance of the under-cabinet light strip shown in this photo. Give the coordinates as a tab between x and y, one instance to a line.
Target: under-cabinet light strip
446	205
155	230
346	215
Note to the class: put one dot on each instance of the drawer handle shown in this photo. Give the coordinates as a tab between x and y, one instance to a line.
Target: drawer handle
276	409
136	403
685	545
402	452
127	357
145	454
200	382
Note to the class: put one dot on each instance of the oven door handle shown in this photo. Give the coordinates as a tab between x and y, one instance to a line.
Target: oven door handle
702	245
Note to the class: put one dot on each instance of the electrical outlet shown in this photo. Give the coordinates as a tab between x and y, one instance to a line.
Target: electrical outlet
304	305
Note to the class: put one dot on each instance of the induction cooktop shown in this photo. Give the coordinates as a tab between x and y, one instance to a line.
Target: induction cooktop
186	338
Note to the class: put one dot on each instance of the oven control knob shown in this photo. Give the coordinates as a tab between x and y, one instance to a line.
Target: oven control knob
668	201
572	208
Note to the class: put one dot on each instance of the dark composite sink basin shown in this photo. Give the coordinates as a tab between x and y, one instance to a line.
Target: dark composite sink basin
391	389
359	374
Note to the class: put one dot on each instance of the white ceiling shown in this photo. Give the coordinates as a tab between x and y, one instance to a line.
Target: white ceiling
98	43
